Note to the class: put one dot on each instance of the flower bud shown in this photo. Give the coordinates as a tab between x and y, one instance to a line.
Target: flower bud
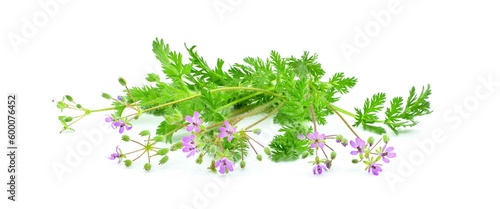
125	138
385	138
305	154
68	119
267	151
259	157
163	160
122	81
176	146
333	155
147	166
79	106
159	138
328	164
212	166
243	164
371	140
106	96
344	142
163	151
355	161
144	133
127	163
69	98
199	160
257	131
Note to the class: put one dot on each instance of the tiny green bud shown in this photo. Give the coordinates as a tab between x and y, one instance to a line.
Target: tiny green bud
163	151
355	161
69	98
68	119
333	155
385	138
122	81
147	166
79	106
305	154
125	138
159	138
243	164
163	160
344	142
267	151
144	133
128	163
259	157
212	166
257	131
106	96
176	146
339	137
371	140
199	160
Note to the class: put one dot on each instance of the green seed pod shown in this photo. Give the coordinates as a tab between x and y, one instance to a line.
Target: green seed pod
125	138
355	161
128	163
122	81
147	166
106	96
144	133
259	157
163	160
243	164
333	155
69	98
385	138
267	151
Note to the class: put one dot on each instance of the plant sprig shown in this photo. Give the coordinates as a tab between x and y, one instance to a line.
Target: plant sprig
293	91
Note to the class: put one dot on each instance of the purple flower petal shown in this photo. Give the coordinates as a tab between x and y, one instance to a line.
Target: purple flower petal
390	149
196	116
189	119
353	144
354	152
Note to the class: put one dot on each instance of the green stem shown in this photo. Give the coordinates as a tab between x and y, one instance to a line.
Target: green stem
237	101
344	111
102	110
214	90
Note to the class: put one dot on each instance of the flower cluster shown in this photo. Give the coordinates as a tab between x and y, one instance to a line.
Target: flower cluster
120	124
370	158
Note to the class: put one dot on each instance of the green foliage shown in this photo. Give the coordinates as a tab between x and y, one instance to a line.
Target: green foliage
292	91
398	115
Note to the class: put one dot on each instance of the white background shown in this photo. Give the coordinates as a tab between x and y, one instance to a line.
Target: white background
84	46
